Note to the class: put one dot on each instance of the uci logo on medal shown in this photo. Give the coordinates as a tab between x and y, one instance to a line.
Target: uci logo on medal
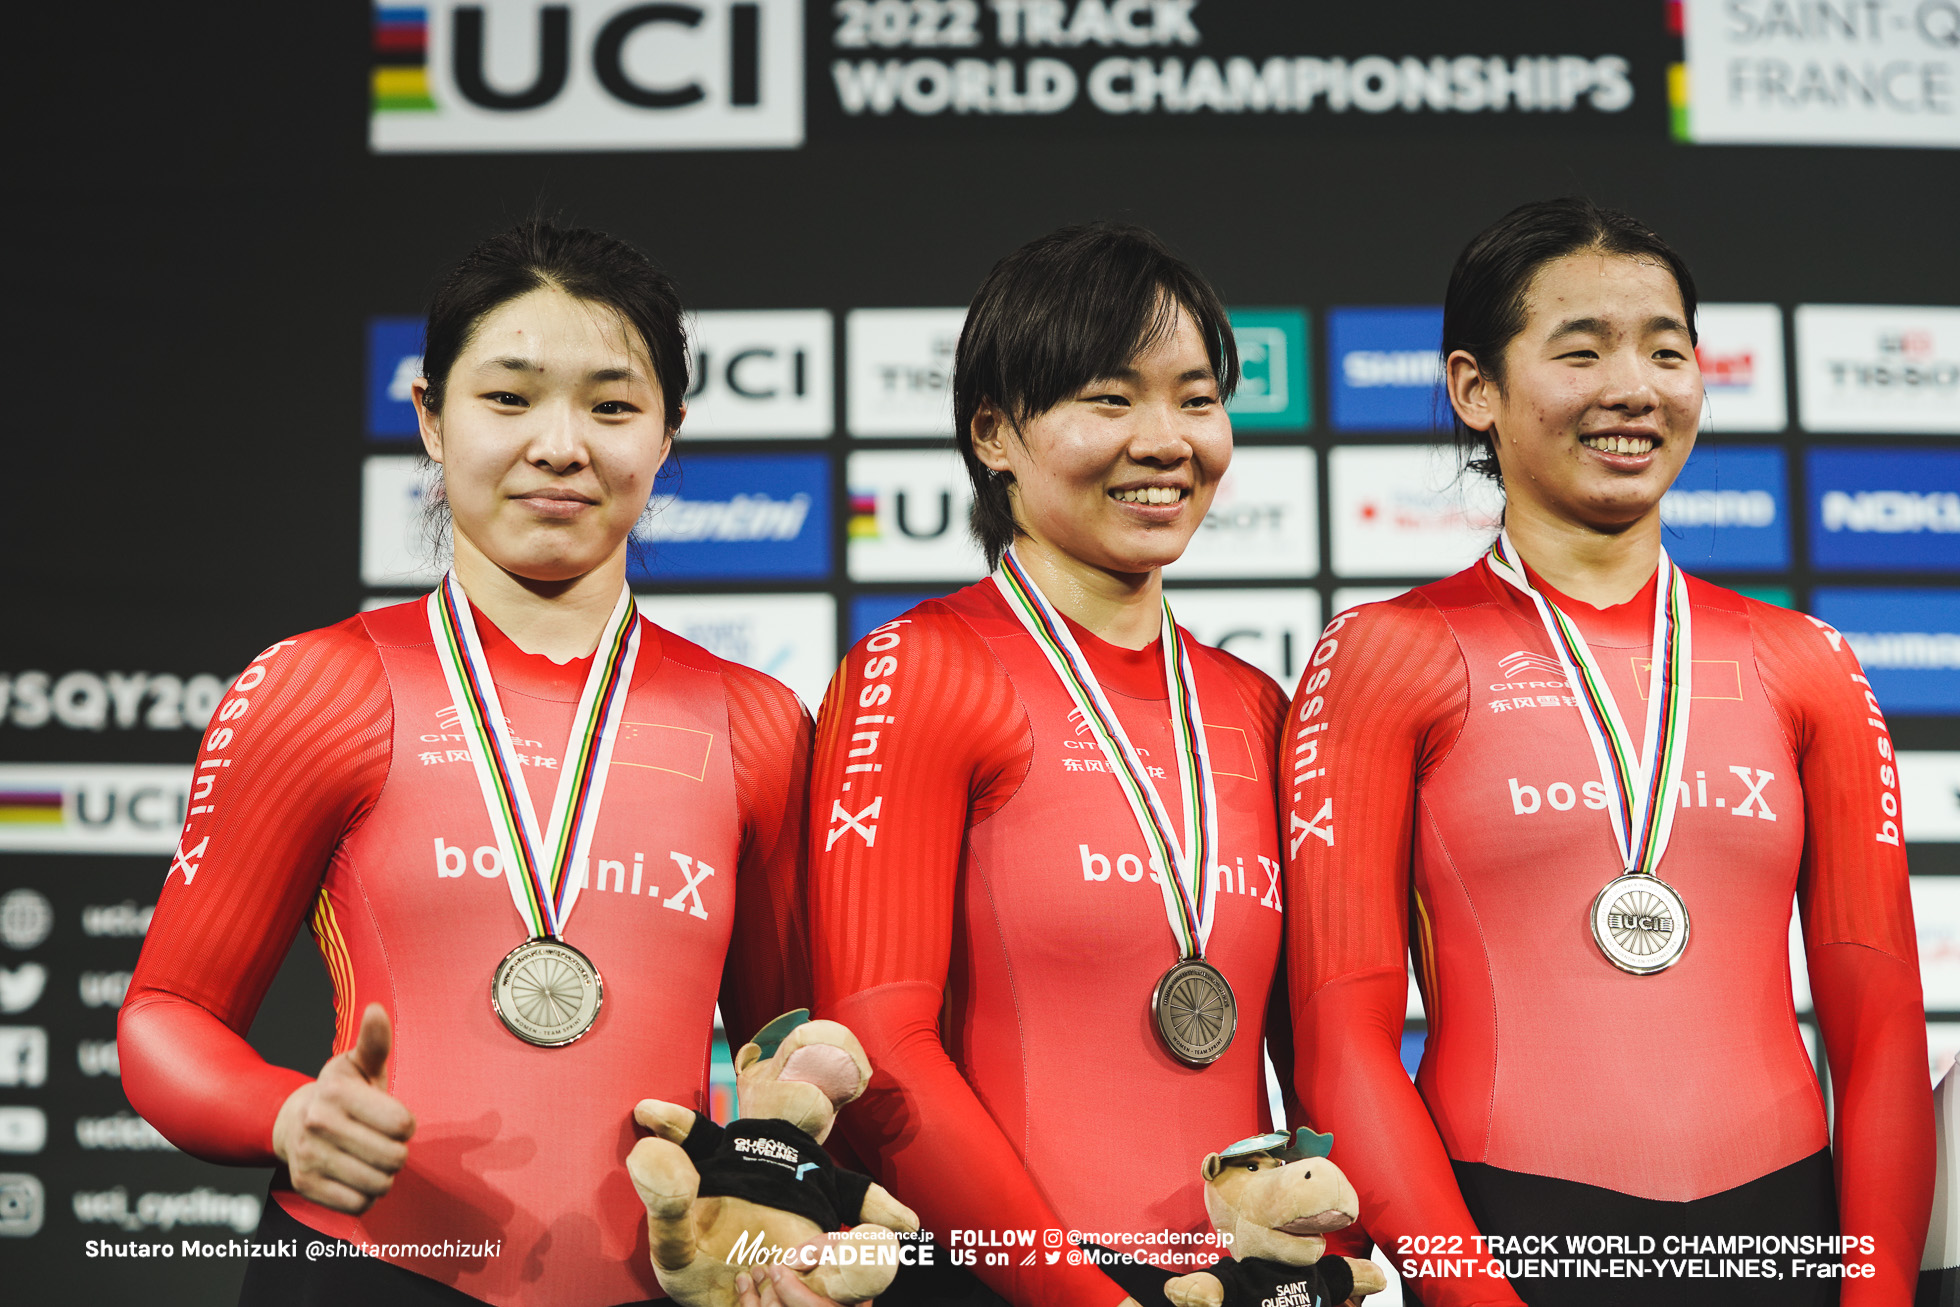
587	75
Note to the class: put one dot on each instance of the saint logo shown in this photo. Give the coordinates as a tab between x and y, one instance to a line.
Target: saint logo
587	75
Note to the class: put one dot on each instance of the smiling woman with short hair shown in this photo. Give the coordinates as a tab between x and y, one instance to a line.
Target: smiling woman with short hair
1040	889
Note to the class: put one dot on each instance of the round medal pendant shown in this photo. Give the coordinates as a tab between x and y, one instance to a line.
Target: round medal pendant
546	992
1196	1013
1640	924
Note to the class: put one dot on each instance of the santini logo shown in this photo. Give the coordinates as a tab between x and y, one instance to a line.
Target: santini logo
742	518
1892	512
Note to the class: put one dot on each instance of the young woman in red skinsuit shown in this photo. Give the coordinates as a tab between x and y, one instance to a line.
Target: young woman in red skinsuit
984	908
350	779
1605	1056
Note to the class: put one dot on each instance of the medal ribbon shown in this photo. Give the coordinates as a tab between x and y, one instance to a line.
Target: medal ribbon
537	864
1184	870
1641	790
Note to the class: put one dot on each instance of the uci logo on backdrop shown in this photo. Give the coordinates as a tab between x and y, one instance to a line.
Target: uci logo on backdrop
587	75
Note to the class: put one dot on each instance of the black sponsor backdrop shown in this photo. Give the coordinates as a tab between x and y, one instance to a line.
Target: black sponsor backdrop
201	235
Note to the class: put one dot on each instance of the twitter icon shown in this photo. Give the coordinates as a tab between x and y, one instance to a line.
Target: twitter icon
20	988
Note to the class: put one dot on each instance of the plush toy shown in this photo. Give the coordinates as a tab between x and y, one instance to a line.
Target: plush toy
720	1199
1277	1202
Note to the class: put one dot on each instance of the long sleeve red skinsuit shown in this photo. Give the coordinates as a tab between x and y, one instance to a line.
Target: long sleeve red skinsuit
1441	798
984	920
333	786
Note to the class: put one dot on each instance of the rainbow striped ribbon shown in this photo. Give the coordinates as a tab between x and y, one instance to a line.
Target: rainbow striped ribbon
1190	888
1641	811
537	865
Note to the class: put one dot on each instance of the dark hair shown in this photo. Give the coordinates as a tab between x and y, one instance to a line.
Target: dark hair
1484	309
585	264
1062	311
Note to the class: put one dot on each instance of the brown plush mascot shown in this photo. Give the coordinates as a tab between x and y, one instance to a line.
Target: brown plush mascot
720	1199
1277	1201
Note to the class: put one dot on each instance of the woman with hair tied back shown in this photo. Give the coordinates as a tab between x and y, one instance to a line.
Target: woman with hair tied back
1584	789
525	825
1044	864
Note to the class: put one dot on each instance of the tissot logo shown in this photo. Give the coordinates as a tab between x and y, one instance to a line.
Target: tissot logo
1885	369
1262	521
588	75
900	363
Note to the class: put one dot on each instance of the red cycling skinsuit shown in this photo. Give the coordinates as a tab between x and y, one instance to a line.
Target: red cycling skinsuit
984	918
334	784
1441	796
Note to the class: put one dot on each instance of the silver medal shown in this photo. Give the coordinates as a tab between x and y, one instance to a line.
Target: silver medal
1640	924
1196	1013
547	993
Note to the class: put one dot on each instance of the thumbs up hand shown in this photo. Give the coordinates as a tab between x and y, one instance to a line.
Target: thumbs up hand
343	1136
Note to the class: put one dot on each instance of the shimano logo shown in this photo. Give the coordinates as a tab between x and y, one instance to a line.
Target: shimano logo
745	517
1916	651
1684	508
1891	512
1364	368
